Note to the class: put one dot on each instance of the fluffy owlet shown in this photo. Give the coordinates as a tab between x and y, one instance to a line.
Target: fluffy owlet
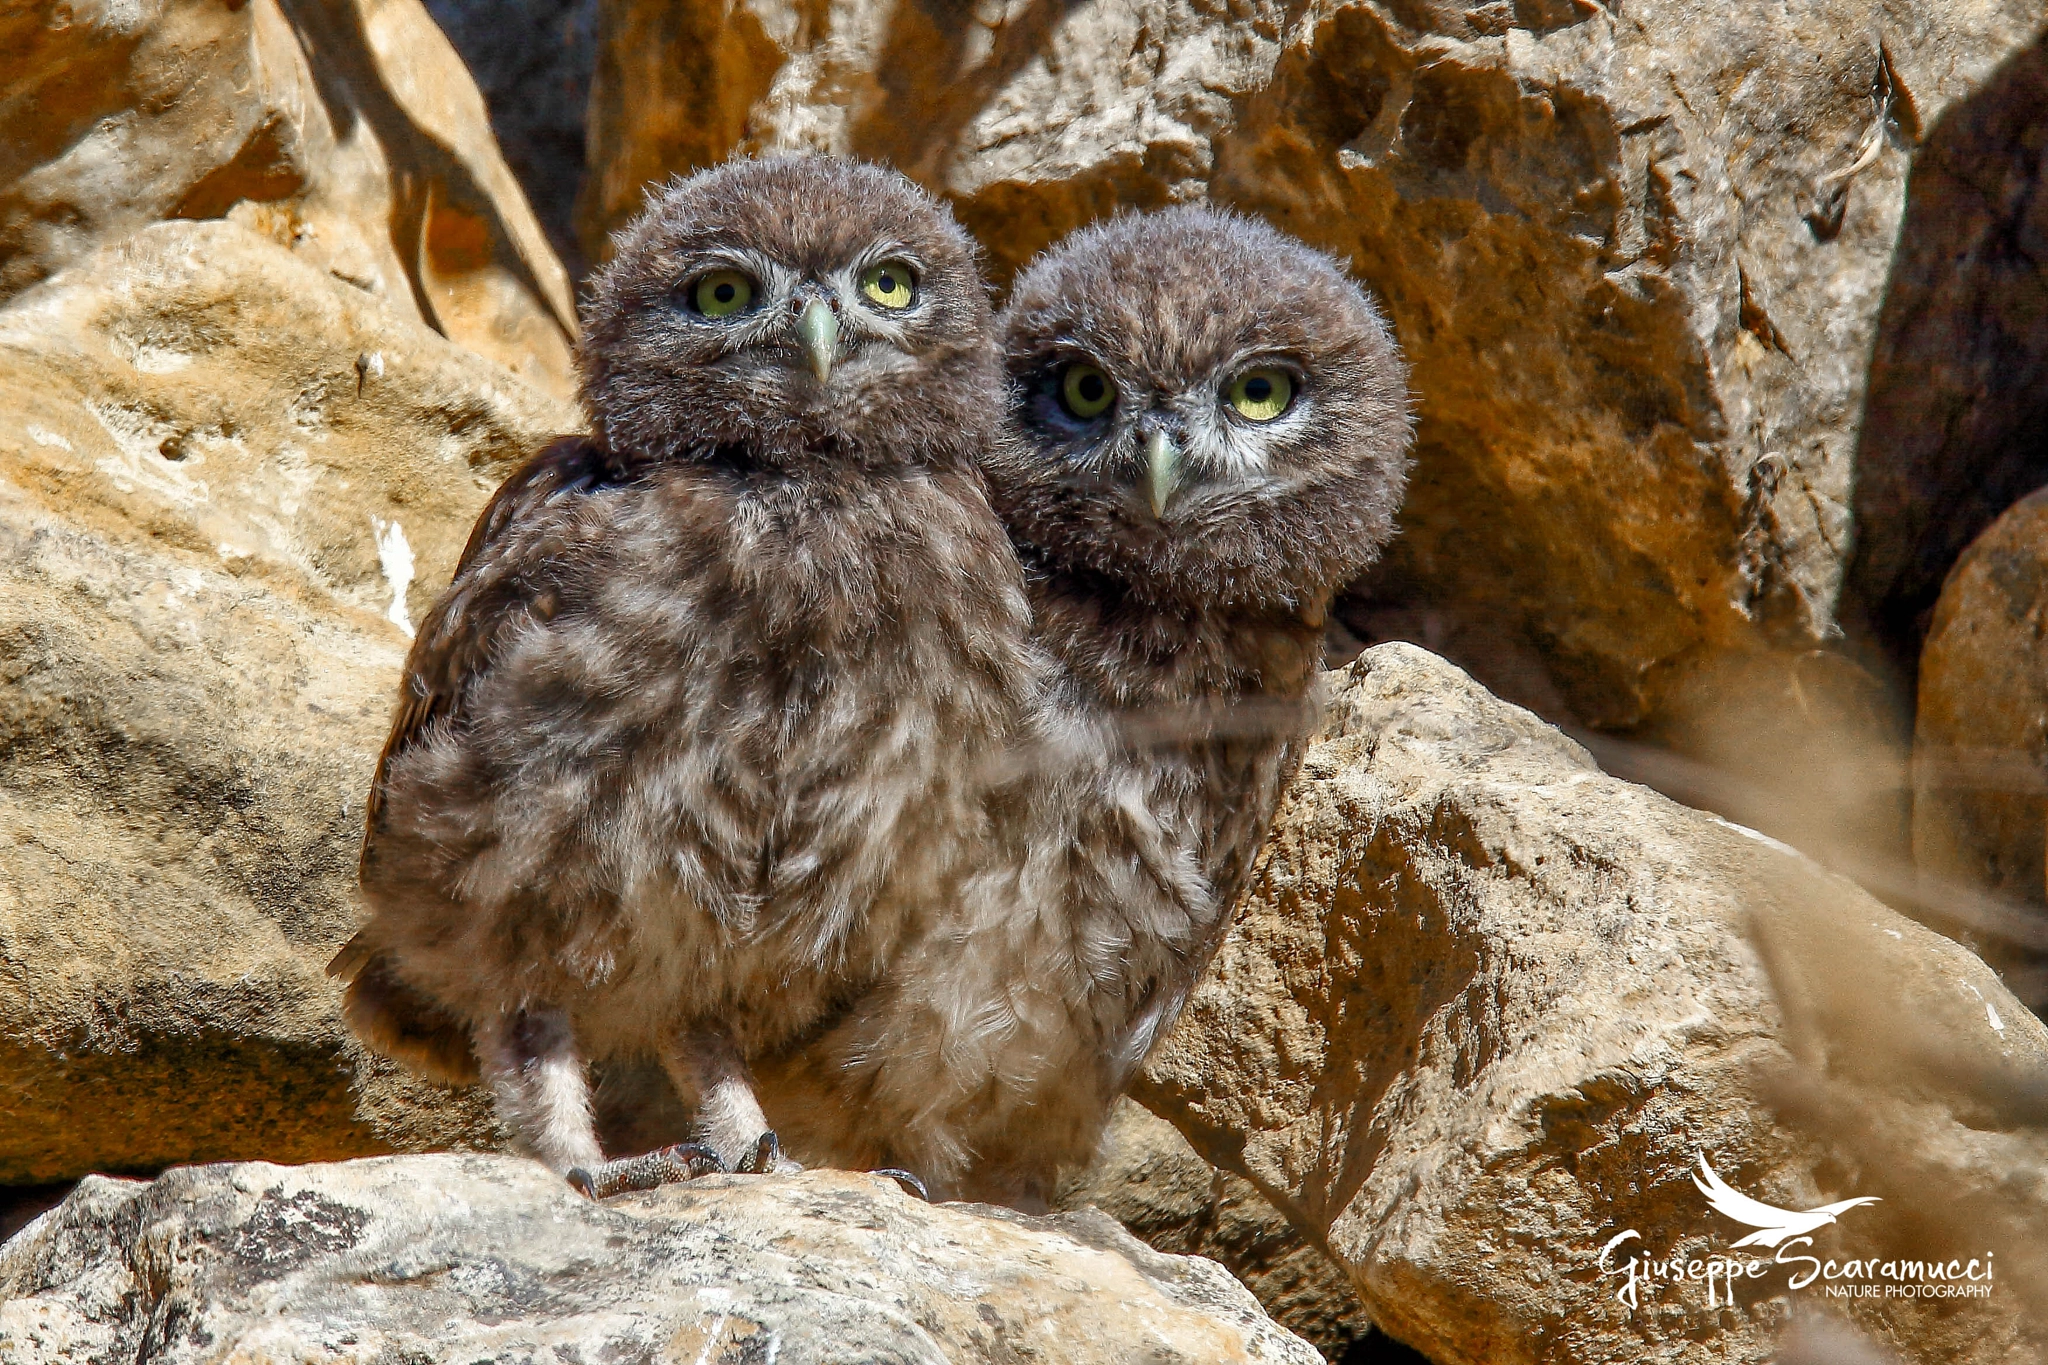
1209	435
695	737
1216	428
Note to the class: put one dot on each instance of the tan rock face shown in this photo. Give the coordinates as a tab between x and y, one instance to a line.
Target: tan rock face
1484	1009
349	132
363	1260
1152	1182
1636	257
227	483
1980	799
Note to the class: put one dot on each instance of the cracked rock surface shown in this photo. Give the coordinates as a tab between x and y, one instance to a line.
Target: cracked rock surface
350	133
461	1258
1484	1008
1149	1179
228	483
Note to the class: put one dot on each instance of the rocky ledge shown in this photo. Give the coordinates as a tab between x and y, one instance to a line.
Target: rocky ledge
478	1257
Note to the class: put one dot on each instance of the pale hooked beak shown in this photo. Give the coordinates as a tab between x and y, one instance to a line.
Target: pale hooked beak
1162	469
818	329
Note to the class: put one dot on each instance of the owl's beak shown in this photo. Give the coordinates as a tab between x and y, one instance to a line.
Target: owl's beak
1162	469
817	327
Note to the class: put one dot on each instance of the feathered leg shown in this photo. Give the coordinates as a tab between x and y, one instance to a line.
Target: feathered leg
713	1079
530	1061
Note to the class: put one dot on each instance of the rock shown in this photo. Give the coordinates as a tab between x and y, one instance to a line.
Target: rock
532	62
21	1205
1980	768
228	483
1636	256
1951	431
1152	1182
672	92
456	1258
1484	1010
348	131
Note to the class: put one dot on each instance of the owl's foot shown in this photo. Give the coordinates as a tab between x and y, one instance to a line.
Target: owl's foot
711	1077
910	1183
670	1165
766	1158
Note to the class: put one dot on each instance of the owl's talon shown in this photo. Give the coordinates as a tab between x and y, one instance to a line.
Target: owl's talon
910	1183
668	1166
765	1159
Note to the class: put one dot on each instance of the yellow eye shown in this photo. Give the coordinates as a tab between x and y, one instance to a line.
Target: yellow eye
722	293
1086	391
1261	394
889	284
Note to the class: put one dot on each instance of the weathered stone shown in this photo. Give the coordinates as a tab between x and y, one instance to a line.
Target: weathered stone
228	482
1484	1009
1980	768
1951	432
1812	747
460	1258
1151	1181
672	92
348	131
532	61
1636	256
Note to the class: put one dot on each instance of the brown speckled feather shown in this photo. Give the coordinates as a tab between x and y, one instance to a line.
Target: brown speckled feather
703	727
452	643
1188	642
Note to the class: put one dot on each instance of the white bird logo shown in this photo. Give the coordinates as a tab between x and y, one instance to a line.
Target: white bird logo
1774	1224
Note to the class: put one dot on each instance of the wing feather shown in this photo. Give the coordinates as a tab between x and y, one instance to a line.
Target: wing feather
1843	1206
455	641
458	634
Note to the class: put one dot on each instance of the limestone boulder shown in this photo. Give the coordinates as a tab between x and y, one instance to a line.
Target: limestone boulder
461	1258
1980	771
1487	1017
1636	255
1158	1187
229	482
349	132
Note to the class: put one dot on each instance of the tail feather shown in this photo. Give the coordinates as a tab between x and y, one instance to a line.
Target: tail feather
351	959
402	1023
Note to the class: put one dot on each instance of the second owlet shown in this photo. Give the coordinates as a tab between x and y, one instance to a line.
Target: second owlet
1209	436
695	737
1216	428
